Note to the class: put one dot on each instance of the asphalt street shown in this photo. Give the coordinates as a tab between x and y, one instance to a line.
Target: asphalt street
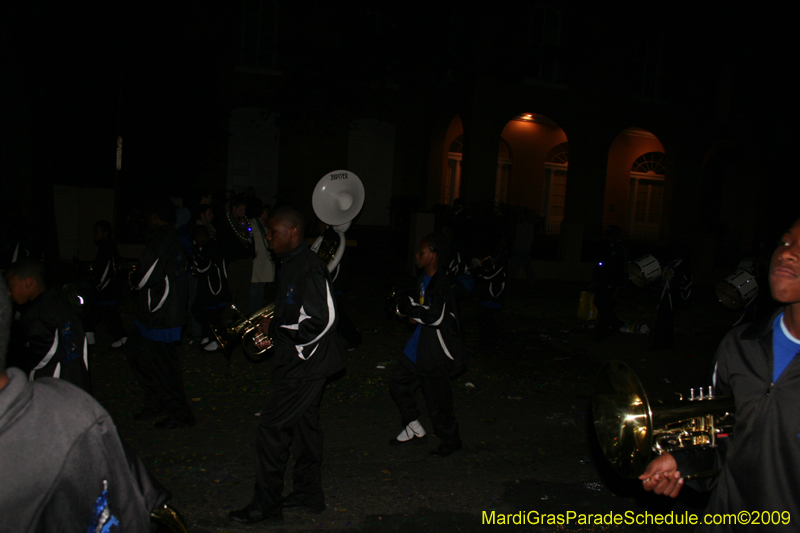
524	411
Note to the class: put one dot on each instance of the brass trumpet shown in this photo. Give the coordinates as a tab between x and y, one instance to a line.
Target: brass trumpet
244	330
630	431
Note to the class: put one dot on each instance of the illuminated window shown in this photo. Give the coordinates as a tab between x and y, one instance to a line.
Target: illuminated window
452	183
646	199
555	192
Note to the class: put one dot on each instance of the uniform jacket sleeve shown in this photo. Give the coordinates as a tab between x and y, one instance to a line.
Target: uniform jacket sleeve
316	315
103	268
42	338
152	269
434	309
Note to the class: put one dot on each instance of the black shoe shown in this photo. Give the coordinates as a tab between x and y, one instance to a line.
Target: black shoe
291	502
148	413
250	515
173	423
447	447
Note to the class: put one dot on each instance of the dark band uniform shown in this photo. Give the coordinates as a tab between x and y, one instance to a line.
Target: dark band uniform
490	291
305	354
760	461
213	293
440	355
55	342
106	291
161	278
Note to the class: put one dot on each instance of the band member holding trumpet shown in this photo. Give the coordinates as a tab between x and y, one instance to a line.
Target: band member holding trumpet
301	333
162	281
433	354
757	365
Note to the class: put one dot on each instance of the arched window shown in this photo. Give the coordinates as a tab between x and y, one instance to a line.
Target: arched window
556	163
646	198
454	158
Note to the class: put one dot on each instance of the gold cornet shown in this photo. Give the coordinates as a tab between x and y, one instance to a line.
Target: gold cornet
245	330
631	429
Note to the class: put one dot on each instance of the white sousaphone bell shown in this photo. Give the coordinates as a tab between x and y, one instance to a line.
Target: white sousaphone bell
337	200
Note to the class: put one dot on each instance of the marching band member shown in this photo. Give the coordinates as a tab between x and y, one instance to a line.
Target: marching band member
432	355
161	279
213	294
302	332
55	345
757	364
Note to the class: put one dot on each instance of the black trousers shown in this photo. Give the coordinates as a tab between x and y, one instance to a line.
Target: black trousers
438	392
158	370
292	410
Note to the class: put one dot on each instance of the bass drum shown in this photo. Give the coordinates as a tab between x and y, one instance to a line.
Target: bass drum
737	290
644	270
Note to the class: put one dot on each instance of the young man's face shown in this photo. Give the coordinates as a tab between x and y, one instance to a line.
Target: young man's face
784	268
425	257
20	289
237	211
280	236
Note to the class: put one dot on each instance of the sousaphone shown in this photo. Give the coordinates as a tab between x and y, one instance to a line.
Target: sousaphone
337	200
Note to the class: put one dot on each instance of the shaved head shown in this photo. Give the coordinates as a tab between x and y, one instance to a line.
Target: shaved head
291	217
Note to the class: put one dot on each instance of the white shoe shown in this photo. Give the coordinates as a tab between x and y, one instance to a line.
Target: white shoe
211	346
204	341
411	432
90	338
120	343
